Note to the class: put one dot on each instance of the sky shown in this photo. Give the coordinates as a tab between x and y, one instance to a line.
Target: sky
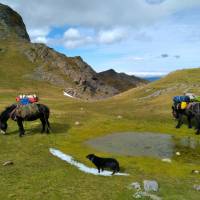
141	37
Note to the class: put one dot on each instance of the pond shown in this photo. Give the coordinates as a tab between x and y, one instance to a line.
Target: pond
148	144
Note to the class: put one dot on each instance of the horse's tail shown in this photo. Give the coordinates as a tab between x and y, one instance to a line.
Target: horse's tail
194	108
46	114
44	110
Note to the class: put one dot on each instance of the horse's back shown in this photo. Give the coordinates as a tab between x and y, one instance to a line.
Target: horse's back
194	107
31	111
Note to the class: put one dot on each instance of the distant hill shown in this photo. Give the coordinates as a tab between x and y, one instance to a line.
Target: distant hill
121	81
37	62
153	78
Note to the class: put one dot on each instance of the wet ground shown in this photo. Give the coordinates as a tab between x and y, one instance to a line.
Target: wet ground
149	144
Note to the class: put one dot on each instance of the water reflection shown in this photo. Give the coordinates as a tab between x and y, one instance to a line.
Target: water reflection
149	144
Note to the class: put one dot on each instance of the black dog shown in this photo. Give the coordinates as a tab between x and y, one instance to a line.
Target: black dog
102	163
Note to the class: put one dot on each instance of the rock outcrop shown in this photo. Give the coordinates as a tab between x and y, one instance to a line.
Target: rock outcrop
11	24
121	81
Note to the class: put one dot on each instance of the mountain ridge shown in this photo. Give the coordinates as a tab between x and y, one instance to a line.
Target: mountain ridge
72	74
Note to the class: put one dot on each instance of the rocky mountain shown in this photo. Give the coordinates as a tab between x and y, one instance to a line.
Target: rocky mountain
11	24
72	74
121	81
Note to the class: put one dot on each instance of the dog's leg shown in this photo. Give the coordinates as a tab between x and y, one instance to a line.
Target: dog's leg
113	172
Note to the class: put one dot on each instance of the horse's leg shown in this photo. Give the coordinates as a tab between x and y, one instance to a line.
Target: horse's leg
48	125
189	122
198	124
43	124
47	122
180	121
21	127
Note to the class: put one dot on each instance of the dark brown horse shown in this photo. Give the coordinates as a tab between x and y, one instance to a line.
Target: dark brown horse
11	112
192	111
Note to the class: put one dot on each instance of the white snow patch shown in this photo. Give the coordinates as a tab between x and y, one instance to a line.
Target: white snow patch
69	159
168	160
68	95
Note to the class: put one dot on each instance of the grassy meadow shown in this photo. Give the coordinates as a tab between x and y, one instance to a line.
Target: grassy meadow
36	174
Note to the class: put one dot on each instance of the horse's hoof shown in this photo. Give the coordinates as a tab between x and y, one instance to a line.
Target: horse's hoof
21	134
189	127
177	126
197	133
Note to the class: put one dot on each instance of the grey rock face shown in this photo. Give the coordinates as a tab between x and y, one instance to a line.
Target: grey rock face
11	24
74	75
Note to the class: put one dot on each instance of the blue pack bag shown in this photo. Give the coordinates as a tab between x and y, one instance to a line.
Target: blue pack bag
24	101
179	99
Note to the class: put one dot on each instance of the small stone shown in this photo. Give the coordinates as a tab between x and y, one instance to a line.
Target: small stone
194	171
168	160
178	153
77	123
9	162
119	117
81	109
196	187
135	185
150	185
138	195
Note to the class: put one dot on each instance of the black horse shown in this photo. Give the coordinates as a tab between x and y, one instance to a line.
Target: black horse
192	111
11	113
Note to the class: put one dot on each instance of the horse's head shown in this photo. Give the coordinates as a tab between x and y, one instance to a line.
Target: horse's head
3	126
175	111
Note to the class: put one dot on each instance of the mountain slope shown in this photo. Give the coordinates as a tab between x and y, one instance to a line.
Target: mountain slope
44	64
121	81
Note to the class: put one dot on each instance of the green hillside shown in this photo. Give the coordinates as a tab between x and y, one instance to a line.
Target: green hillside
37	174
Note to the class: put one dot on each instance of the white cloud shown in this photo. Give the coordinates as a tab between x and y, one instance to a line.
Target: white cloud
111	36
134	58
72	34
40	39
73	38
38	14
39	35
148	74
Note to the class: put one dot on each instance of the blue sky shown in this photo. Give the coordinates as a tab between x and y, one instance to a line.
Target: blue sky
136	36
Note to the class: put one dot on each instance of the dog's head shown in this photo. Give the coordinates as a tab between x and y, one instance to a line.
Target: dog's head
90	156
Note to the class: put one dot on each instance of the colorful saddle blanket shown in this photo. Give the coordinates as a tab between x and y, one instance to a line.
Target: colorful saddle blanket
26	111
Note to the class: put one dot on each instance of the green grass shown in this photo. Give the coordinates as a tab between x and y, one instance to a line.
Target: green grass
36	174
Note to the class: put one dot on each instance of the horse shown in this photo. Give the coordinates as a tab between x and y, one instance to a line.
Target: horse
11	112
191	111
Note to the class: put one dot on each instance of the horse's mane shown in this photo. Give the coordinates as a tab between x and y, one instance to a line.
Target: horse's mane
7	110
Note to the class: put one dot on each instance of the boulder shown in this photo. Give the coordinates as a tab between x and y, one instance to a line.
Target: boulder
150	185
